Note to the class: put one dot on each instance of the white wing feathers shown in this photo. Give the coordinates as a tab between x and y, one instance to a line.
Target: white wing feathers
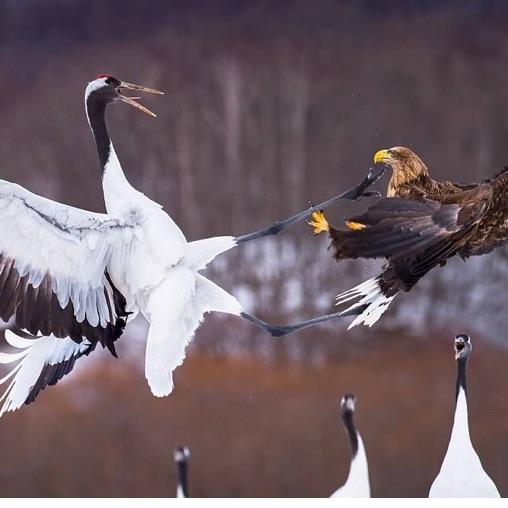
42	361
62	273
70	247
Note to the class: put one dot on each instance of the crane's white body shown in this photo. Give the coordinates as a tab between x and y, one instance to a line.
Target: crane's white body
357	483
160	277
138	245
462	473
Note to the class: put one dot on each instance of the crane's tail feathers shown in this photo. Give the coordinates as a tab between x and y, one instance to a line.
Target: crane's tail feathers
371	302
165	351
42	361
173	322
172	327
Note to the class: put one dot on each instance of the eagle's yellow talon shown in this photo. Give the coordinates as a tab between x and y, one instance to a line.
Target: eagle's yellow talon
319	222
355	226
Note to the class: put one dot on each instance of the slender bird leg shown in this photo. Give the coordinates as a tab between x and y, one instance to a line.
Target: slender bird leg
373	175
280	330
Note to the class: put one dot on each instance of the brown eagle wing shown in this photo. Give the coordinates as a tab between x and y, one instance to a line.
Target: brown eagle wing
395	227
492	231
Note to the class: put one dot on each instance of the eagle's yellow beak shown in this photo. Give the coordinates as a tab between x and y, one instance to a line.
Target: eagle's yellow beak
381	156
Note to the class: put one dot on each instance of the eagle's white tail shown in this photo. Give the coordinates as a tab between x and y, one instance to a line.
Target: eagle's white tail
42	361
369	294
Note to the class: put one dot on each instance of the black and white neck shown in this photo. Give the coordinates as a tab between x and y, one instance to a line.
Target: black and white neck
460	438
181	455
348	408
99	94
118	193
462	474
463	349
357	483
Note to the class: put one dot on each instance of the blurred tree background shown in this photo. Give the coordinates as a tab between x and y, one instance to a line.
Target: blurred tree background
269	104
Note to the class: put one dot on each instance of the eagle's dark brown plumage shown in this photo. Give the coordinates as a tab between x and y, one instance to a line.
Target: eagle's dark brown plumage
419	225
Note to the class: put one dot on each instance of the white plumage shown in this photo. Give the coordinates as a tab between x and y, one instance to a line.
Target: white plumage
462	473
36	356
357	483
101	267
74	246
368	294
70	273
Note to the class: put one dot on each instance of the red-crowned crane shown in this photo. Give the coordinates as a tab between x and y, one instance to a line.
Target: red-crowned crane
74	276
357	483
462	473
181	457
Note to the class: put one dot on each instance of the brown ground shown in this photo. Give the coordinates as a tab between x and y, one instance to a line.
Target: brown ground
256	429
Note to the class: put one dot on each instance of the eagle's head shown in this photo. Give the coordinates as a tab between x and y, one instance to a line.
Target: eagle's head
405	164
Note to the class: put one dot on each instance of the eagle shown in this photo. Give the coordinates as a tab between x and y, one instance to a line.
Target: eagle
420	224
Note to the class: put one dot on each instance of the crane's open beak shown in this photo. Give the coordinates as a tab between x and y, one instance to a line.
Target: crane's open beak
132	100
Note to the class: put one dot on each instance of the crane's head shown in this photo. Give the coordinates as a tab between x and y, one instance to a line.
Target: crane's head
462	346
181	454
348	403
106	89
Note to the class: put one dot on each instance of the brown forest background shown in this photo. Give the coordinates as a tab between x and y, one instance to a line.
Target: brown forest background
268	105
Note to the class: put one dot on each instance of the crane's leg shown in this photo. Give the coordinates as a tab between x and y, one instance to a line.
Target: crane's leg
280	330
373	175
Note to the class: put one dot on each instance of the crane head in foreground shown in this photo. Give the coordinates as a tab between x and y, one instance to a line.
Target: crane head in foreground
462	473
463	347
181	456
357	483
419	225
71	278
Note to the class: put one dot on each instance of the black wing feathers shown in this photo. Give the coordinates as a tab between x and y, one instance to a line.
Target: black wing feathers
51	374
415	236
394	226
38	310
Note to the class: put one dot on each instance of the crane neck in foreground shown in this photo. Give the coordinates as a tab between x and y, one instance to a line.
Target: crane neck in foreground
347	419
460	431
461	377
182	487
358	482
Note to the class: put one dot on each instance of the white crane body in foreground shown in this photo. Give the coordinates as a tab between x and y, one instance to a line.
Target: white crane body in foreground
357	482
462	473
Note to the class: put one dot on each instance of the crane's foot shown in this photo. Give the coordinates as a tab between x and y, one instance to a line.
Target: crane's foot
319	222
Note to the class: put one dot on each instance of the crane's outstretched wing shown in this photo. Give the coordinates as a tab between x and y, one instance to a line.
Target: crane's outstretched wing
54	267
40	361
